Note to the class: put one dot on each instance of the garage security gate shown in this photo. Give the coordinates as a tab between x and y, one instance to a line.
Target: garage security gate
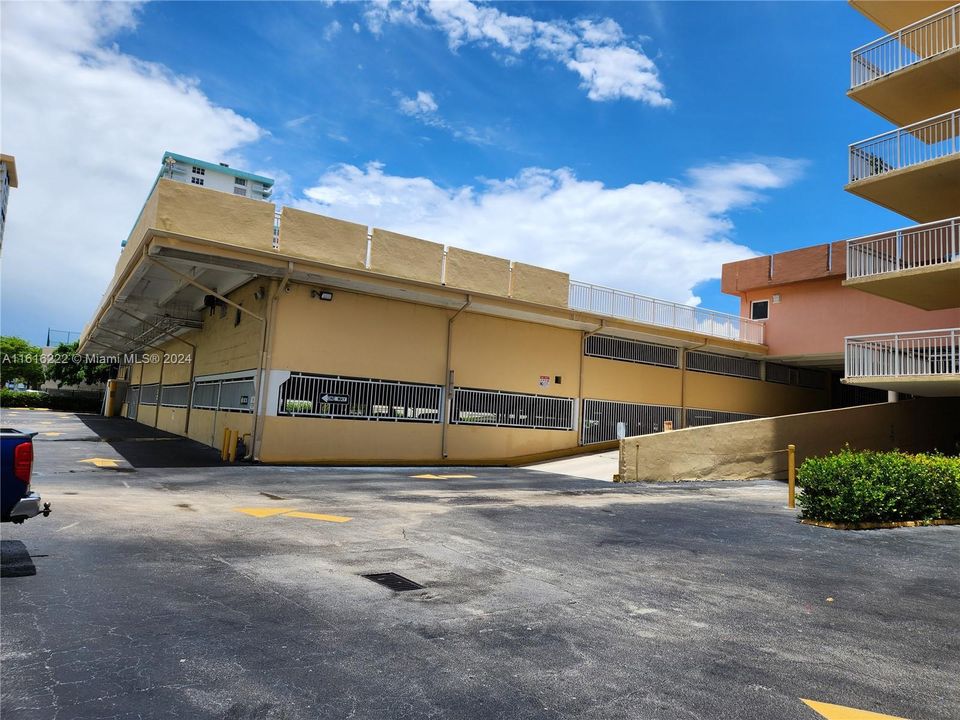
349	398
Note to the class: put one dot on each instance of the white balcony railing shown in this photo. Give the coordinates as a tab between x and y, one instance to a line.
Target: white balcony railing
918	246
910	145
923	39
639	308
927	353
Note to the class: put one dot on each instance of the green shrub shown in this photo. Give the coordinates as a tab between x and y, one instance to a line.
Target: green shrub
856	487
298	406
19	398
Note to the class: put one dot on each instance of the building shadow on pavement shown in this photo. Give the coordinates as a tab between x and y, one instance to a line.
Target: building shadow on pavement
147	447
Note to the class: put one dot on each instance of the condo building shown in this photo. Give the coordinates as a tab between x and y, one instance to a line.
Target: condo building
8	179
883	309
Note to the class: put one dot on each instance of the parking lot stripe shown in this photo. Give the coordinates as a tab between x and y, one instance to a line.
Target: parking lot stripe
101	462
262	512
319	516
840	712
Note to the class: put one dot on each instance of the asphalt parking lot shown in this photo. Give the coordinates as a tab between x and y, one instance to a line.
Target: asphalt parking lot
165	585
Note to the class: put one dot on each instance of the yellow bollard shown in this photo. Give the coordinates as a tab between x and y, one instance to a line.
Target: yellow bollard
232	448
791	475
225	444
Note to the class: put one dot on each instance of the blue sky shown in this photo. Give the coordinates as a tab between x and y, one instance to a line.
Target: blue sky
638	145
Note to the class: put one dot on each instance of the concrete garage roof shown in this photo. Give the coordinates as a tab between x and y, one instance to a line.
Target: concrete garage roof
189	240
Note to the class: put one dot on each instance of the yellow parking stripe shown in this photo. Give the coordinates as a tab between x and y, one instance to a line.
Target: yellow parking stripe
840	712
261	512
101	462
319	516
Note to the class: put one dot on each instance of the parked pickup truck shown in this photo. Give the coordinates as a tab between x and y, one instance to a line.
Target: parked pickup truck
17	502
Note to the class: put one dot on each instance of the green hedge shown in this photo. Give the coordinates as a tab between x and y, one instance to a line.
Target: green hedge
858	487
17	398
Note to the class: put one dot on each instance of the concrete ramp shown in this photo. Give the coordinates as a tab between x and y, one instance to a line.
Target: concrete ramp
754	449
598	466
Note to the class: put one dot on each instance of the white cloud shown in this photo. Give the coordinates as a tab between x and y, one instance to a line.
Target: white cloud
610	65
88	125
332	30
422	104
424	108
654	238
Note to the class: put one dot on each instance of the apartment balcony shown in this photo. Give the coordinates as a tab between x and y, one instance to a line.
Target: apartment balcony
663	313
918	265
913	170
894	14
913	73
925	363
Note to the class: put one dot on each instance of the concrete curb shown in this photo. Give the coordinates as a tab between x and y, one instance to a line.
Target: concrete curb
878	525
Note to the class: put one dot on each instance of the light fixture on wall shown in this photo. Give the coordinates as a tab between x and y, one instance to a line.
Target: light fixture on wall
322	295
260	292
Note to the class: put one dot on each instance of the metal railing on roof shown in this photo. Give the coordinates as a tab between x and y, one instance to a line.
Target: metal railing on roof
927	353
920	41
648	310
934	243
906	146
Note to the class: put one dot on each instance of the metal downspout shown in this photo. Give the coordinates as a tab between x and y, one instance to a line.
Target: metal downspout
583	349
448	379
683	381
263	370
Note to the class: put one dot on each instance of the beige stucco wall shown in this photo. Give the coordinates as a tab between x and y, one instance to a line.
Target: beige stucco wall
307	440
360	336
322	239
406	257
213	215
173	420
539	285
756	448
222	345
147	219
501	354
630	382
754	397
471	442
207	426
476	272
634	382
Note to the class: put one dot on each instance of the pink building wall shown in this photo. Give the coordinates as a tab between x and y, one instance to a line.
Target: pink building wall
813	317
815	311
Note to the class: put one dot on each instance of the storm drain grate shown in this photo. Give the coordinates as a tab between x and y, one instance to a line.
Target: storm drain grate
395	582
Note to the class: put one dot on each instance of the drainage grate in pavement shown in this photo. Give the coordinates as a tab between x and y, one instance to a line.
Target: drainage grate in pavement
395	582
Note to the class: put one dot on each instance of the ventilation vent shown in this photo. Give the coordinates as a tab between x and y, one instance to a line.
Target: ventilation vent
723	365
611	348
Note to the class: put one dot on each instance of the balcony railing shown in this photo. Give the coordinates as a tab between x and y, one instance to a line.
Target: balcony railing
918	246
927	353
639	308
910	145
922	40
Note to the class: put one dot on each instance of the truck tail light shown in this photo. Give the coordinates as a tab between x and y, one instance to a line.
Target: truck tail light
23	462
